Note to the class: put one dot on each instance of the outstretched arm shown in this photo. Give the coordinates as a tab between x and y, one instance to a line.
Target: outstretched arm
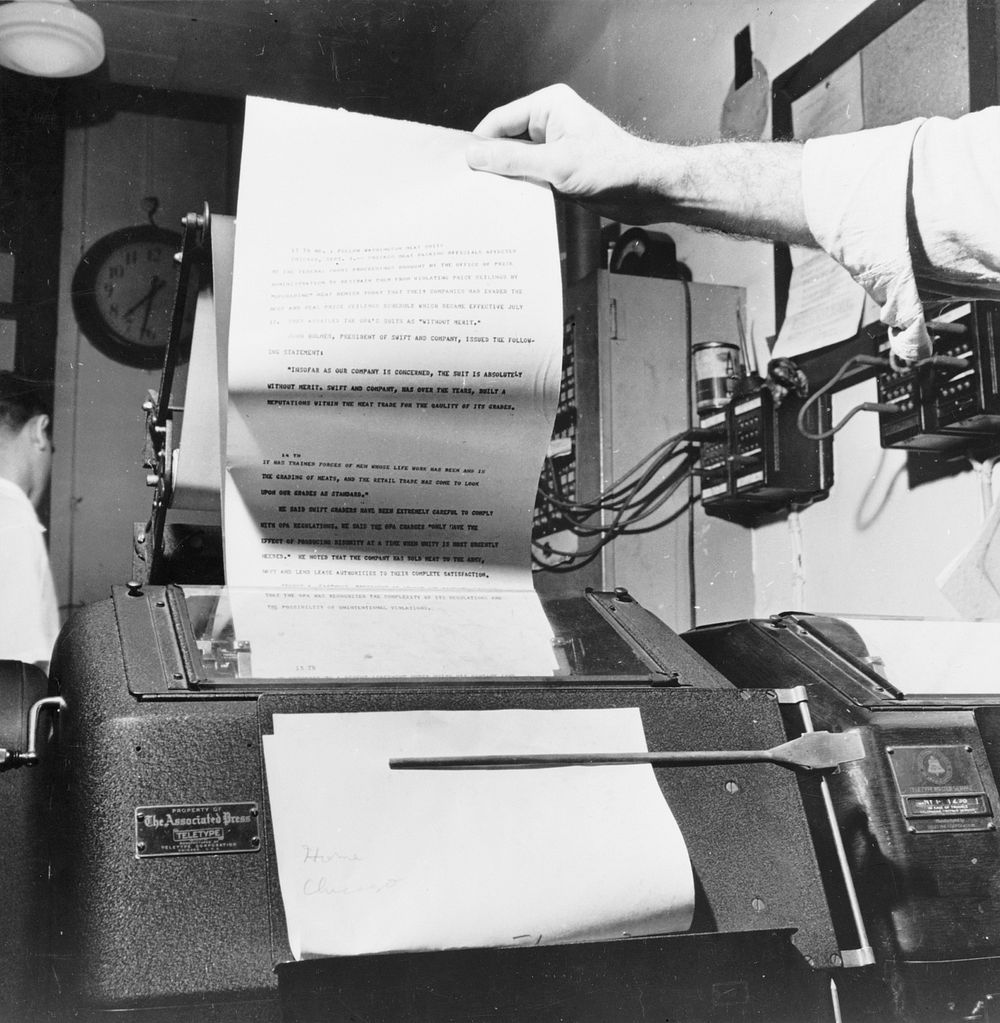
752	189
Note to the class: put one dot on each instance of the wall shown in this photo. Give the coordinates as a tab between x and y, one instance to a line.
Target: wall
98	483
31	147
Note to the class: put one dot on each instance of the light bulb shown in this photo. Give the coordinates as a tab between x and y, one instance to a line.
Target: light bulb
49	38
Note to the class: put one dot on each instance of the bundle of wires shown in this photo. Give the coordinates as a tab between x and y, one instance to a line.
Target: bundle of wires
633	504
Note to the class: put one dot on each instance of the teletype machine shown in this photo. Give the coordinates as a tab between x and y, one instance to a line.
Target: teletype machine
841	834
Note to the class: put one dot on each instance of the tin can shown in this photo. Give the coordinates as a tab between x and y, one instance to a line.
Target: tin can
716	368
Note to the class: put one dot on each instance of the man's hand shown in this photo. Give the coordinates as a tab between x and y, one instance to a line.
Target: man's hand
576	149
751	189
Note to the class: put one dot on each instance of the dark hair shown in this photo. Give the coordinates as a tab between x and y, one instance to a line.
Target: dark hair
21	399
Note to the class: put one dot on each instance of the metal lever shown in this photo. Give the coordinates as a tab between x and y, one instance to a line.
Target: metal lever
814	751
12	758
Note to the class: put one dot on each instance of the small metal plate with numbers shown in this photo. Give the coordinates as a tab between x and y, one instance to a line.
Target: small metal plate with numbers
196	829
940	789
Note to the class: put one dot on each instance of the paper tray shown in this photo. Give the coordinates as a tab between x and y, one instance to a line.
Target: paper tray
745	826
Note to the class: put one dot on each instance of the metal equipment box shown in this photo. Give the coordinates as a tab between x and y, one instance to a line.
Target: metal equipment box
158	721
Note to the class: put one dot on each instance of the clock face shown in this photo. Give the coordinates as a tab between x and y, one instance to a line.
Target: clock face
123	293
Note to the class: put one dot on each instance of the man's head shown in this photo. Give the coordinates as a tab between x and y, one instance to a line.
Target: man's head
25	434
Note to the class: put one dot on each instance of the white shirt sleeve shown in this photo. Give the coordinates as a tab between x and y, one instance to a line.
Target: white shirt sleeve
29	619
855	190
956	200
909	208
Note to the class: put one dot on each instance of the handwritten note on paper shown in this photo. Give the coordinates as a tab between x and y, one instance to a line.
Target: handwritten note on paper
373	860
394	364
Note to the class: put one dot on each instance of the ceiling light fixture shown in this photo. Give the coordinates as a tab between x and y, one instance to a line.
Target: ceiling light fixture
49	38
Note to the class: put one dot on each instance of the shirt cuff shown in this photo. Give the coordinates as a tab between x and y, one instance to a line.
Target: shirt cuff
855	190
956	199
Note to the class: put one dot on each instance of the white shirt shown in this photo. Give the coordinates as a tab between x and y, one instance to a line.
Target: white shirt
910	209
29	615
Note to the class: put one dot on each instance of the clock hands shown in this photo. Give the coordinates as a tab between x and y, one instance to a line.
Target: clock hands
155	284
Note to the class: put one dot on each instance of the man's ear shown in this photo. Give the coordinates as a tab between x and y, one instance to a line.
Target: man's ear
39	430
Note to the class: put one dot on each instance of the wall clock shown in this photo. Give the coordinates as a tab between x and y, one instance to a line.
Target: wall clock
123	293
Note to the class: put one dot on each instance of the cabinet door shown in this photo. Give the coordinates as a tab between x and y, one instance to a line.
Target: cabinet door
646	327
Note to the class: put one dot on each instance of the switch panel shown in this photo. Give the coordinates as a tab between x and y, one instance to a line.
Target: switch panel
952	401
760	461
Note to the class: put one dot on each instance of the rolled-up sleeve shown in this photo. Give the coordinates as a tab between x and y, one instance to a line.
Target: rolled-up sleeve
855	190
910	210
956	201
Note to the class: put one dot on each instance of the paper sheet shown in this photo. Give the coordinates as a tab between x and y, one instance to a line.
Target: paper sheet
825	305
363	633
394	364
834	106
373	860
971	581
934	657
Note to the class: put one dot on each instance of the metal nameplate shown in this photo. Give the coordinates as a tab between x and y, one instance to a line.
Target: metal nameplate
931	825
946	806
197	829
940	789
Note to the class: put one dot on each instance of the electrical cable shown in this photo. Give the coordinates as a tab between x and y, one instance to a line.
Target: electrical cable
632	504
798	558
866	406
641	510
617	489
635	509
984	470
854	362
621	525
948	362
